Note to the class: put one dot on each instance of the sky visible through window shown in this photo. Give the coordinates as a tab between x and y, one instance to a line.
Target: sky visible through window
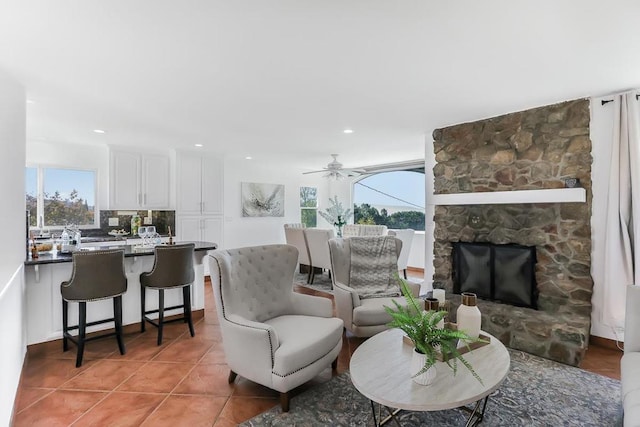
64	181
403	185
67	180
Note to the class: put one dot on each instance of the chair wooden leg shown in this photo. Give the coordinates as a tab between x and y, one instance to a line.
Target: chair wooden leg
186	296
232	376
143	309
284	401
82	329
117	316
334	364
160	315
65	325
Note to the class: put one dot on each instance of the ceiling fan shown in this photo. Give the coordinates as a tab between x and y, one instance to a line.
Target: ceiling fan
335	170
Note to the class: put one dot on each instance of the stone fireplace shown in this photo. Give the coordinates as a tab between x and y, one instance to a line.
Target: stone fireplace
533	149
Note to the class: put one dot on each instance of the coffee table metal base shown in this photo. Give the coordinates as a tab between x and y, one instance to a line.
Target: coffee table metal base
476	413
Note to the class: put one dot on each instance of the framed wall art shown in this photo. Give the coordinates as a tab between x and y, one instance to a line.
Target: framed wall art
260	200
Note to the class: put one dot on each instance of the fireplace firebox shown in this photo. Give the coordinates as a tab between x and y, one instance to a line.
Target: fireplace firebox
502	273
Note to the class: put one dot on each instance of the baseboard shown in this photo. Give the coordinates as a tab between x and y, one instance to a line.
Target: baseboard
415	270
46	347
605	342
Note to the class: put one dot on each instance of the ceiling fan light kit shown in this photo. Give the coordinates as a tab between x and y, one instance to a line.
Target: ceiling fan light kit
335	170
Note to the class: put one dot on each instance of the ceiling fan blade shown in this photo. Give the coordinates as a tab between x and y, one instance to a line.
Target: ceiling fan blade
306	173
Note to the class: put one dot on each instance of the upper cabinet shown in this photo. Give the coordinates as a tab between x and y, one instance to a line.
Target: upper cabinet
139	180
199	184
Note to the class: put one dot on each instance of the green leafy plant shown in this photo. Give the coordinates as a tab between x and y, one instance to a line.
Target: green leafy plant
422	329
336	215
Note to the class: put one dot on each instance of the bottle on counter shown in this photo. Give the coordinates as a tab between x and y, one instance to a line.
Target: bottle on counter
135	224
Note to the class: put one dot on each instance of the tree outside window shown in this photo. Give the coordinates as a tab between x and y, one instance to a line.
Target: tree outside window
395	199
57	197
309	206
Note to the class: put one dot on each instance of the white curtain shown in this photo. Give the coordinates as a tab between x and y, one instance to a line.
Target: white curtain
622	233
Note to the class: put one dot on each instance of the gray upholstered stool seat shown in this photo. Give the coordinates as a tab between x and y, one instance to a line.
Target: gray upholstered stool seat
172	268
96	276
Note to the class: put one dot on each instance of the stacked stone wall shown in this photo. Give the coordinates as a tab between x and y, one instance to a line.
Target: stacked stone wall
534	149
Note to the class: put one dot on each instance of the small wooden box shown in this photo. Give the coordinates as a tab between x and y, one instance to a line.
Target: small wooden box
485	340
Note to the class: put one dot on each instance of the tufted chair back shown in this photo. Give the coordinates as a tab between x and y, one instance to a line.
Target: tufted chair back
254	282
363	230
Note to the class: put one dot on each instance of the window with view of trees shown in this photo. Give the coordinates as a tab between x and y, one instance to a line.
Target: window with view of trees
309	206
395	199
56	197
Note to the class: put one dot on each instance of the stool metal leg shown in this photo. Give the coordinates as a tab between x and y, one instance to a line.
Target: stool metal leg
117	317
65	325
186	295
160	315
82	329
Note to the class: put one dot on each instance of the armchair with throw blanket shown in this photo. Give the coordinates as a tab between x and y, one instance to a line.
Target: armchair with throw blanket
365	272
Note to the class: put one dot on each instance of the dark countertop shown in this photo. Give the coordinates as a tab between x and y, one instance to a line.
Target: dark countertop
129	251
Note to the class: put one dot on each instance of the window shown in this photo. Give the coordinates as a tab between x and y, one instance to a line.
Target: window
395	199
56	197
309	206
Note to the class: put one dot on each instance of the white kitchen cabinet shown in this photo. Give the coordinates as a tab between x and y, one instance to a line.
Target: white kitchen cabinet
199	184
139	180
200	228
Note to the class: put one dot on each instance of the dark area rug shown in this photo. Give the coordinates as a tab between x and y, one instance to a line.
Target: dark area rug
321	282
537	392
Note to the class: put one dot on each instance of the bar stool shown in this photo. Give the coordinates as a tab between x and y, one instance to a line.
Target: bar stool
172	268
96	275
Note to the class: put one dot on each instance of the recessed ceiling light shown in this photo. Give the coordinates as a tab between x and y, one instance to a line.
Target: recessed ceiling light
98	131
30	101
198	145
348	131
248	158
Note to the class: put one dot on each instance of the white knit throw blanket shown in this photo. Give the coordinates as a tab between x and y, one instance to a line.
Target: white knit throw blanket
374	265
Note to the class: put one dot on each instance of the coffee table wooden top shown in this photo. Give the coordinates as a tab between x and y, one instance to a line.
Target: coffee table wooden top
380	371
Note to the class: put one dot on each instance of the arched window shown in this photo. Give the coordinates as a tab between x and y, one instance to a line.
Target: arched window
395	199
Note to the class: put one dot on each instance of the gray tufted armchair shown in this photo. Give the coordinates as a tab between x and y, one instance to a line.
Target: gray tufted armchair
363	316
271	335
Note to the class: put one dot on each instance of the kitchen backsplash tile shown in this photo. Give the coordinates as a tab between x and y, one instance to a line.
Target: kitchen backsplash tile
161	219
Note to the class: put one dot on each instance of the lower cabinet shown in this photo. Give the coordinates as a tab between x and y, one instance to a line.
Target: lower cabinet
200	228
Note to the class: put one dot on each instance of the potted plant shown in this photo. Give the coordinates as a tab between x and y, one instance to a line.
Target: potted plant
429	340
336	215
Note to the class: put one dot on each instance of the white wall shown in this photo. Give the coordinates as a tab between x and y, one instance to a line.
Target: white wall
12	250
240	231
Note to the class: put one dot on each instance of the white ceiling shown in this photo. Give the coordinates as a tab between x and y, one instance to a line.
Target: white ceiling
284	78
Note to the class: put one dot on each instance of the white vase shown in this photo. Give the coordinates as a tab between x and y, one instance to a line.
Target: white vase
468	316
417	363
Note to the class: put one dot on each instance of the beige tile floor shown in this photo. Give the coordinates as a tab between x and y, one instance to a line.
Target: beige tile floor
182	382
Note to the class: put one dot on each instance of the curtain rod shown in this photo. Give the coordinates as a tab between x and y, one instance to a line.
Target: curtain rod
606	101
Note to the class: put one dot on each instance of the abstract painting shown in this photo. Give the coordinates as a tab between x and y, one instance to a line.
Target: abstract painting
262	199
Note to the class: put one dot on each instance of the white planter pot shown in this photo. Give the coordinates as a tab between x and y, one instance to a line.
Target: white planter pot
417	363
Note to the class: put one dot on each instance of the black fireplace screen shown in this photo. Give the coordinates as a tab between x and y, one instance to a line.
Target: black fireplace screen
503	273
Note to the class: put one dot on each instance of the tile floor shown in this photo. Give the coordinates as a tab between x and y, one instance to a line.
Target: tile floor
182	382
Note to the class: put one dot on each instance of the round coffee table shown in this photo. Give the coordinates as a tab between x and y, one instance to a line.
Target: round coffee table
380	371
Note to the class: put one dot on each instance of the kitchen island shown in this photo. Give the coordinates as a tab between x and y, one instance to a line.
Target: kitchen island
44	274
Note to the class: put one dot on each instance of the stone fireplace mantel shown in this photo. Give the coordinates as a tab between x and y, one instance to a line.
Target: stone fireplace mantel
551	195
